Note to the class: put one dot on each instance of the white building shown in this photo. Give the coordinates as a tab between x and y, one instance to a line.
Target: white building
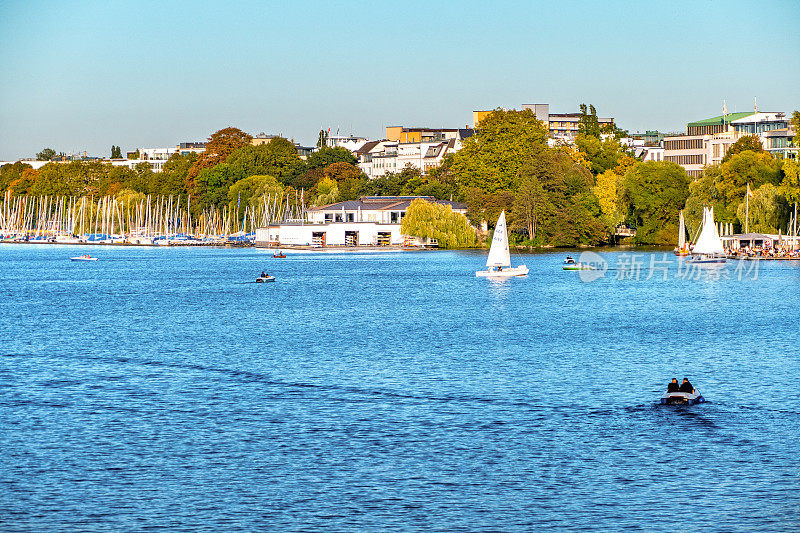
348	142
707	141
369	221
376	158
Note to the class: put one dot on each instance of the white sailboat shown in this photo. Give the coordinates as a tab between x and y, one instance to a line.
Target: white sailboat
683	248
498	264
708	248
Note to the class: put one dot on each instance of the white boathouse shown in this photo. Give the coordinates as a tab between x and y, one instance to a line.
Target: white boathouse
368	221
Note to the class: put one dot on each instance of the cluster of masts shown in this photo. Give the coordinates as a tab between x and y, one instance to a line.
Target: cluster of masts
148	220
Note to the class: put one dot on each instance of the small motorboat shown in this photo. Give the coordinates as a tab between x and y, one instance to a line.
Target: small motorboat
86	257
682	398
279	255
265	279
571	264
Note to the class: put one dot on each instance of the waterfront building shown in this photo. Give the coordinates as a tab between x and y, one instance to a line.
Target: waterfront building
707	141
368	221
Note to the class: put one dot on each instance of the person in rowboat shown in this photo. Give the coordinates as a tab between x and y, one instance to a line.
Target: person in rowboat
673	386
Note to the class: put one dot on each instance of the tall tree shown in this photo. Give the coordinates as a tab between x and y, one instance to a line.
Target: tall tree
322	140
326	156
219	146
588	123
491	159
748	142
655	192
48	154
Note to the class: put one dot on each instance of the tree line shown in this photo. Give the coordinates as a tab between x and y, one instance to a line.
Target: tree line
553	195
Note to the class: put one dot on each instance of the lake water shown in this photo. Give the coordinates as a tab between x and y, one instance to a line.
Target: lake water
162	388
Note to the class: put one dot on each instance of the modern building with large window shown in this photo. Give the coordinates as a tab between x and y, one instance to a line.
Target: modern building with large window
707	141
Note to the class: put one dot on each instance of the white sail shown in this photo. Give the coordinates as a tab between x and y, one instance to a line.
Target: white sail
498	253
681	232
708	243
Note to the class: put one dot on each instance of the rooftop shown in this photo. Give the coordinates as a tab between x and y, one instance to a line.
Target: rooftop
722	119
384	203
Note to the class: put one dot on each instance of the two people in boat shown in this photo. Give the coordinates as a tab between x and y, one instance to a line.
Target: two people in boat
263	274
569	260
673	386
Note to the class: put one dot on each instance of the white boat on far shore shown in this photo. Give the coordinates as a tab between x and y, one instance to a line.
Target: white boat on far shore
708	250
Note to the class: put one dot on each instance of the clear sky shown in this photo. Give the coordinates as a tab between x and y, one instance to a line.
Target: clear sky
84	75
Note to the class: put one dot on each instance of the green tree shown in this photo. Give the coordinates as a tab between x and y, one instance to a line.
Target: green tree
251	191
172	178
491	160
748	142
602	154
327	156
351	188
790	186
322	140
531	205
219	146
116	152
588	124
327	192
427	220
48	154
341	171
768	210
795	121
655	192
11	172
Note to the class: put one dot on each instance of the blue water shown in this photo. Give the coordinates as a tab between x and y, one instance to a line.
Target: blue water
163	389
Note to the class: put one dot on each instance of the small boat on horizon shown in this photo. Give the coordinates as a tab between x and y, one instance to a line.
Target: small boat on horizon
279	255
86	257
571	264
498	264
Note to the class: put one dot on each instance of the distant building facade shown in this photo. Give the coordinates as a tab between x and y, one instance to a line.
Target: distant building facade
376	158
707	141
191	147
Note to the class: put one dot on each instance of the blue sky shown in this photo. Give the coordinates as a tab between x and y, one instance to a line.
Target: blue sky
86	75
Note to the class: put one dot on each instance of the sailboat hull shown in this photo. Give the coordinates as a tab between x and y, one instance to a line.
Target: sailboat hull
521	270
699	260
